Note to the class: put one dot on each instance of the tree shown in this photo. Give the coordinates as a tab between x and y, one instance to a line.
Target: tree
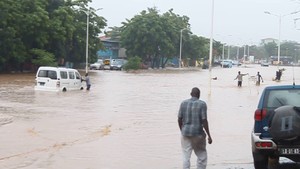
57	27
44	58
153	37
195	48
271	49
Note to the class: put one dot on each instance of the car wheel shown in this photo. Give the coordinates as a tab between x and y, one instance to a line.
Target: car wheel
260	161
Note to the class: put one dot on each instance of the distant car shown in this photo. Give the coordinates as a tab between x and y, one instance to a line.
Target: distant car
226	64
99	65
117	64
237	63
276	131
265	63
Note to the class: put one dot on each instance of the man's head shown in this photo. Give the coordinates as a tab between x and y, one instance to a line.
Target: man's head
86	74
195	92
239	72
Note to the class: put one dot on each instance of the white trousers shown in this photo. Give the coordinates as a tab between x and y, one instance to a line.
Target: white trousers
198	144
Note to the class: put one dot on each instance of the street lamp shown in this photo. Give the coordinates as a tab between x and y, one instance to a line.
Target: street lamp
228	52
211	35
279	34
244	54
180	48
87	36
211	43
223	52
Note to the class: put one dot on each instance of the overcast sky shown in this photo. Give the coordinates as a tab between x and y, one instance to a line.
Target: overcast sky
236	22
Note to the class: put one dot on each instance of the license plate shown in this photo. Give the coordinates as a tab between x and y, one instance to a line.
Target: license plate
289	150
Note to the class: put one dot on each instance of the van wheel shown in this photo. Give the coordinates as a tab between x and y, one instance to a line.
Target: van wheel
81	88
64	90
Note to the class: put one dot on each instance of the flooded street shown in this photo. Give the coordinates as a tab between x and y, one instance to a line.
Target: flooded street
129	120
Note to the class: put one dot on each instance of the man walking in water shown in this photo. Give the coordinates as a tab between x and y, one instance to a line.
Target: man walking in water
239	77
258	78
192	118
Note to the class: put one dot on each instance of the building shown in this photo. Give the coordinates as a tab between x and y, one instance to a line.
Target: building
112	49
269	40
284	60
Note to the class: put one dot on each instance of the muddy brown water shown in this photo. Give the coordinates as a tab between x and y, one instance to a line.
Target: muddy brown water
129	120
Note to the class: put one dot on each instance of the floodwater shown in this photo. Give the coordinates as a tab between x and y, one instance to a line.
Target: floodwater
129	120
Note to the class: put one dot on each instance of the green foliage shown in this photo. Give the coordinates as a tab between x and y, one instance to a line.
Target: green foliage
153	36
133	63
156	38
43	58
55	26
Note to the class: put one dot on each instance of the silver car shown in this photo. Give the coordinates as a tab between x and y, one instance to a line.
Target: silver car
97	65
117	64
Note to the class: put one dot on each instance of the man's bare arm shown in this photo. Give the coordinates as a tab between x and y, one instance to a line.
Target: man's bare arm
180	123
206	128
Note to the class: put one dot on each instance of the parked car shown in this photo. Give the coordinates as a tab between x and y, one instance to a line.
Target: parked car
99	65
57	79
265	63
236	62
117	64
276	131
226	64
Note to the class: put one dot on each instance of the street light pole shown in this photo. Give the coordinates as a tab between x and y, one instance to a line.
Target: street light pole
237	53
87	37
228	52
279	41
211	44
248	50
279	34
211	36
87	41
244	54
180	47
223	52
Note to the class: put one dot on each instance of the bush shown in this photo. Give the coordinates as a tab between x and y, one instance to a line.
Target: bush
133	63
43	58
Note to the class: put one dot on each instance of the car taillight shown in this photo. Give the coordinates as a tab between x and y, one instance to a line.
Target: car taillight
58	84
264	144
260	114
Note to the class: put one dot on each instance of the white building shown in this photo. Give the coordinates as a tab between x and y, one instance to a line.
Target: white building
269	40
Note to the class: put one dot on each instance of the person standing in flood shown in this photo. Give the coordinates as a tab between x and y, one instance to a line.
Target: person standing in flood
239	77
258	78
87	81
192	119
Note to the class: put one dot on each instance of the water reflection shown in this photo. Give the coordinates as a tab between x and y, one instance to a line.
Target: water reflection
127	120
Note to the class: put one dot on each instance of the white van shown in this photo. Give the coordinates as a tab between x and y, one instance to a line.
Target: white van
57	79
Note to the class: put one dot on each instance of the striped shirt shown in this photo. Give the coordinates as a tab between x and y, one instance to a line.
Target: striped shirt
192	111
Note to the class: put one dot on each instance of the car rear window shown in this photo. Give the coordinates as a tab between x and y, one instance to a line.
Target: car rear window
277	98
47	73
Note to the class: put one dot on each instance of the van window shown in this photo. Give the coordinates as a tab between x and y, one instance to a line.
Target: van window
77	75
48	73
71	75
64	75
